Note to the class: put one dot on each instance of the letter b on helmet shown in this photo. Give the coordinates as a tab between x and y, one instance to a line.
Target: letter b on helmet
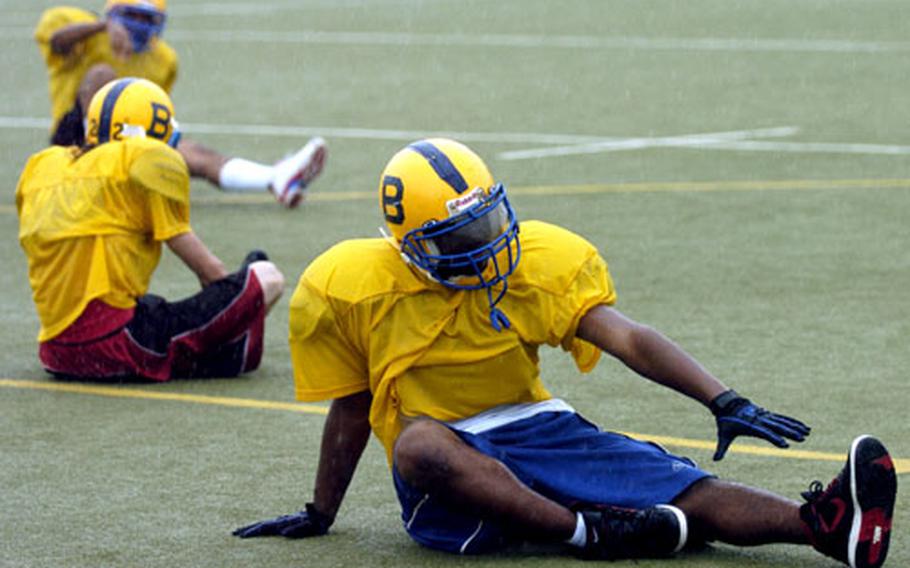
131	107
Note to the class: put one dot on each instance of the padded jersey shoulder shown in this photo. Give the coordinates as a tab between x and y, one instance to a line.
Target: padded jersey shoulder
359	269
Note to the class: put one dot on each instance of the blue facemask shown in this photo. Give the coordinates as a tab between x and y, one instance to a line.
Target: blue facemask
457	251
142	23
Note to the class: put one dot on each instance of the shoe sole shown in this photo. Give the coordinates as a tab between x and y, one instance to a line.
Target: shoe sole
873	488
307	175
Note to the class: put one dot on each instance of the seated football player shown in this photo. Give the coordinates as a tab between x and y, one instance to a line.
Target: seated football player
92	220
430	340
84	51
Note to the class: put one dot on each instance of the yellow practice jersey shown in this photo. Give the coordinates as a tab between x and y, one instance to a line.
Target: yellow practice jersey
362	319
65	71
91	225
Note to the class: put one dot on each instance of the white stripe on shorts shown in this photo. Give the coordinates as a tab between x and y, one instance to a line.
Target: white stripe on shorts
507	414
470	538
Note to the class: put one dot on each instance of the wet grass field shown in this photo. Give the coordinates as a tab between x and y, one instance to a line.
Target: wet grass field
744	166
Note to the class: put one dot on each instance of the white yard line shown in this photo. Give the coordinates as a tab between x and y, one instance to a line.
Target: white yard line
542	41
709	138
565	144
28	123
240	8
808	147
523	41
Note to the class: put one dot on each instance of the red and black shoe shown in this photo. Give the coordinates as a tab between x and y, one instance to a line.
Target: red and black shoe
851	519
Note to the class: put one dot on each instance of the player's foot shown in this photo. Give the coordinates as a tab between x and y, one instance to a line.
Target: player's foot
294	173
851	519
615	533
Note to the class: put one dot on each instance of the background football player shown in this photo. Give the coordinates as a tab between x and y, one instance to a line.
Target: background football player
84	51
91	222
438	356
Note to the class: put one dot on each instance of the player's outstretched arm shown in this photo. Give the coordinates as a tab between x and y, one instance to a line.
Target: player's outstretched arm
344	437
197	257
66	38
654	356
649	353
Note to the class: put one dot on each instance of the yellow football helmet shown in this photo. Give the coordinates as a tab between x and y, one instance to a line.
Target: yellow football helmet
157	5
143	19
131	107
449	218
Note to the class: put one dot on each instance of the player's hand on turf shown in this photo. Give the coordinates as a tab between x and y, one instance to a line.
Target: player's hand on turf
738	416
309	522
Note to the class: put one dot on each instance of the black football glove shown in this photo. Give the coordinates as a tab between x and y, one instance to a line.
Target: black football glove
738	416
309	522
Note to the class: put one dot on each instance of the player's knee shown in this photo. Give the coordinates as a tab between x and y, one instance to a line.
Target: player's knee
96	77
420	452
201	160
270	279
701	495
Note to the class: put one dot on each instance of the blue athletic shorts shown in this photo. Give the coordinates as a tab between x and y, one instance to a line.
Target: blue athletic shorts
562	456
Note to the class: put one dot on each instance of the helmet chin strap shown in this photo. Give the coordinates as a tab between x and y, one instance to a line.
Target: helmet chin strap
498	319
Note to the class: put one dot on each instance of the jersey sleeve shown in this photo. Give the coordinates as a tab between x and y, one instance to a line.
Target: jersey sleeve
23	178
173	65
564	277
592	287
327	362
55	19
162	173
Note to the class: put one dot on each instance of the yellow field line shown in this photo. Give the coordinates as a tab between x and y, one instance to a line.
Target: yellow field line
119	392
216	198
902	465
631	187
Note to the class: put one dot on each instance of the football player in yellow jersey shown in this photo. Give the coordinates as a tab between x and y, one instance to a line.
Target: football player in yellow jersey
429	339
84	51
92	220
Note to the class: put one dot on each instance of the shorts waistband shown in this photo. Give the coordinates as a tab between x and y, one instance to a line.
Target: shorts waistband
507	414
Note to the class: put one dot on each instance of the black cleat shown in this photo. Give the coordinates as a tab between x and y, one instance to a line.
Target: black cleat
851	519
615	533
253	256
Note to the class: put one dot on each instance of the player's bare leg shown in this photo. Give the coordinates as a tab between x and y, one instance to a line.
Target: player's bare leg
850	520
202	161
287	180
433	459
741	515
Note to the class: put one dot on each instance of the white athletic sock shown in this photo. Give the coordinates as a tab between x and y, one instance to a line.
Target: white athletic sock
683	525
580	538
240	175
